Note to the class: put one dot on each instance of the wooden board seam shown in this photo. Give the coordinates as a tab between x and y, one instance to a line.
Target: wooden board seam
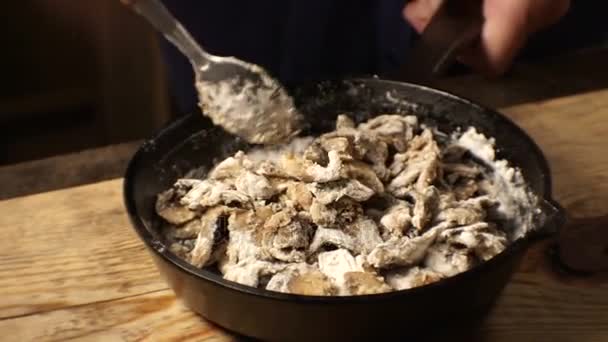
41	312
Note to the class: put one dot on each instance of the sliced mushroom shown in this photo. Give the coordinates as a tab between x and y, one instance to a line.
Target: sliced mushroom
169	208
298	193
316	154
324	174
338	144
322	215
331	192
398	219
291	241
210	193
407	278
242	244
270	169
332	237
254	186
230	167
485	241
348	211
365	233
364	173
186	231
335	264
396	130
344	122
205	241
312	283
461	216
403	251
448	260
248	272
426	202
418	167
362	283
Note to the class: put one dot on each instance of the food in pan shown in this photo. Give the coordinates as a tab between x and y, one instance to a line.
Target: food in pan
387	204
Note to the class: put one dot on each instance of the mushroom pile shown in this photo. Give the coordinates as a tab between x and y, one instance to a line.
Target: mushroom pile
388	204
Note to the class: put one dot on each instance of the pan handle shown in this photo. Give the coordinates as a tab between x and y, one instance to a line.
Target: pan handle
456	25
582	243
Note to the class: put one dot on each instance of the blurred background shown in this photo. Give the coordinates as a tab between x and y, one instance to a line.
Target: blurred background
86	74
77	74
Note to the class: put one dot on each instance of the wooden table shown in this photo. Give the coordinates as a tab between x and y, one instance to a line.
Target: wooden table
72	268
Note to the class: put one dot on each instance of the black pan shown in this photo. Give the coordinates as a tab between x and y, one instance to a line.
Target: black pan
192	142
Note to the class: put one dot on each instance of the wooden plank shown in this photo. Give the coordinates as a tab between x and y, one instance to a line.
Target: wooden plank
573	133
70	266
532	308
542	304
70	247
156	315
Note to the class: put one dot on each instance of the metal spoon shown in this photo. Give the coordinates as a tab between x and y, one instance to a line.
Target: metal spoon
239	96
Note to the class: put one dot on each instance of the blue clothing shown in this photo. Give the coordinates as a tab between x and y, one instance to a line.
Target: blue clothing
295	40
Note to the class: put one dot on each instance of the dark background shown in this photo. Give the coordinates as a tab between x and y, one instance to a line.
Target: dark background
83	74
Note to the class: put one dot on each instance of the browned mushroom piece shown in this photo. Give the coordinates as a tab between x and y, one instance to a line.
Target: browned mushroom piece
344	122
398	219
210	193
362	283
324	174
448	260
254	186
480	238
298	193
316	154
395	130
169	208
312	283
426	203
417	170
364	173
407	278
230	167
365	233
333	191
403	251
201	254
329	237
323	215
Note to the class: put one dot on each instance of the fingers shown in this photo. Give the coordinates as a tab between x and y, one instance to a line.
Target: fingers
419	12
508	23
504	33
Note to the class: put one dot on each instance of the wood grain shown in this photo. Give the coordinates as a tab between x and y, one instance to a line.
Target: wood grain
573	133
156	315
71	268
68	248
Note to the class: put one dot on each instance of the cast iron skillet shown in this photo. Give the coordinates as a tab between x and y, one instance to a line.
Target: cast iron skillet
193	142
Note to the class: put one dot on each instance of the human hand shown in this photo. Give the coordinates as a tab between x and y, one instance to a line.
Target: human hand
507	26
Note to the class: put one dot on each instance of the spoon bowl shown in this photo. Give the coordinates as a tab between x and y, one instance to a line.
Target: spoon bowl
241	97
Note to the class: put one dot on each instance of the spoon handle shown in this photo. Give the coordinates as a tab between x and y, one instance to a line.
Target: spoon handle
157	14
